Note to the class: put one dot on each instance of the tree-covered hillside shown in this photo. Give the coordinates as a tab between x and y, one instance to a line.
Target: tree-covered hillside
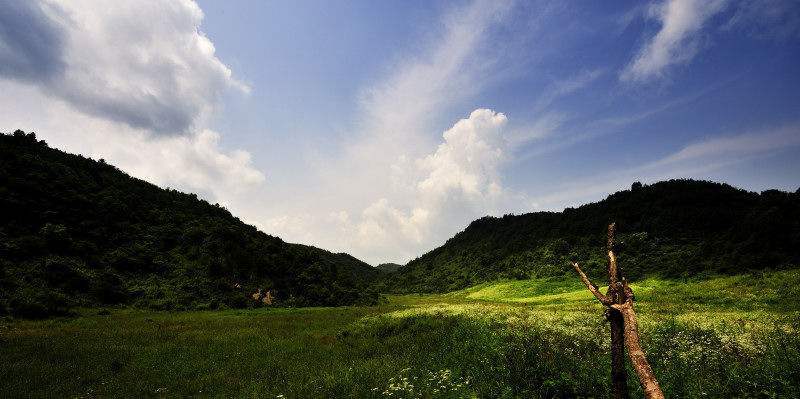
674	228
79	232
388	267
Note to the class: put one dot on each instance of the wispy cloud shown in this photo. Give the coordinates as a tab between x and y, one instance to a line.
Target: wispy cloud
734	147
566	87
541	127
695	159
676	41
450	67
603	126
547	120
767	18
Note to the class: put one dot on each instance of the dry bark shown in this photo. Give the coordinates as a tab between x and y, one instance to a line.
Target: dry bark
624	328
619	376
638	359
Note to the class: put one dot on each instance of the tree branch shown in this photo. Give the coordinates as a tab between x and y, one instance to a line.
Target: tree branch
613	271
592	288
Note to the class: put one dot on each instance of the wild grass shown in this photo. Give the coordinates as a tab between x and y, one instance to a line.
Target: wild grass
718	337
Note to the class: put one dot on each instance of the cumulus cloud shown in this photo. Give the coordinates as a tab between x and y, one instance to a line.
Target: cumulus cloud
195	163
434	196
676	41
468	159
458	182
131	82
147	65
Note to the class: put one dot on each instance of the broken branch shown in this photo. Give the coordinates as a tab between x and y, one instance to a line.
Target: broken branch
635	352
592	288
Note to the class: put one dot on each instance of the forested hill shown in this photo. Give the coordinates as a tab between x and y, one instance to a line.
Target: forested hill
675	228
79	232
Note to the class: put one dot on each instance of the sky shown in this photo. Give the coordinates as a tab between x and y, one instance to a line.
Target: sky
382	129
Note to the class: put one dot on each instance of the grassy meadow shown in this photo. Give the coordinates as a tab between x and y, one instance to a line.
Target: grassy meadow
718	337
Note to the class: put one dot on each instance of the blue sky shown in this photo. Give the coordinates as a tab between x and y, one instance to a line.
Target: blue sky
383	128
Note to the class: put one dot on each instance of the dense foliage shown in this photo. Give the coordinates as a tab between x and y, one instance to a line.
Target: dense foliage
79	232
388	267
675	228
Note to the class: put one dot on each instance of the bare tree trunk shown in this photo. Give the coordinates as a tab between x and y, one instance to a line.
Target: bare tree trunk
624	328
619	376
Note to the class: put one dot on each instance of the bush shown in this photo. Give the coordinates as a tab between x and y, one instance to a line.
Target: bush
38	303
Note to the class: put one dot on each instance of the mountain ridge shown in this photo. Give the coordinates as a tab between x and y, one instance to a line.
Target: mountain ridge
674	228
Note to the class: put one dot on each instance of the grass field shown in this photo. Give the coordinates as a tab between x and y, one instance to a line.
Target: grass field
720	337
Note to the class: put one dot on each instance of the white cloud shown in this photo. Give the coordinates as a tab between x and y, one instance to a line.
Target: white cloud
432	196
468	159
194	163
131	82
457	183
548	121
145	64
676	42
551	123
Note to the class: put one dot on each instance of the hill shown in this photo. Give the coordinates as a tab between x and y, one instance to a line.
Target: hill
676	228
79	232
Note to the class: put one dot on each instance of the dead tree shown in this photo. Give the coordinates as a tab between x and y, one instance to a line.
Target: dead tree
624	328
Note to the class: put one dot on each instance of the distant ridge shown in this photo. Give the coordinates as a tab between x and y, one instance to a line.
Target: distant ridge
79	232
674	228
388	267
